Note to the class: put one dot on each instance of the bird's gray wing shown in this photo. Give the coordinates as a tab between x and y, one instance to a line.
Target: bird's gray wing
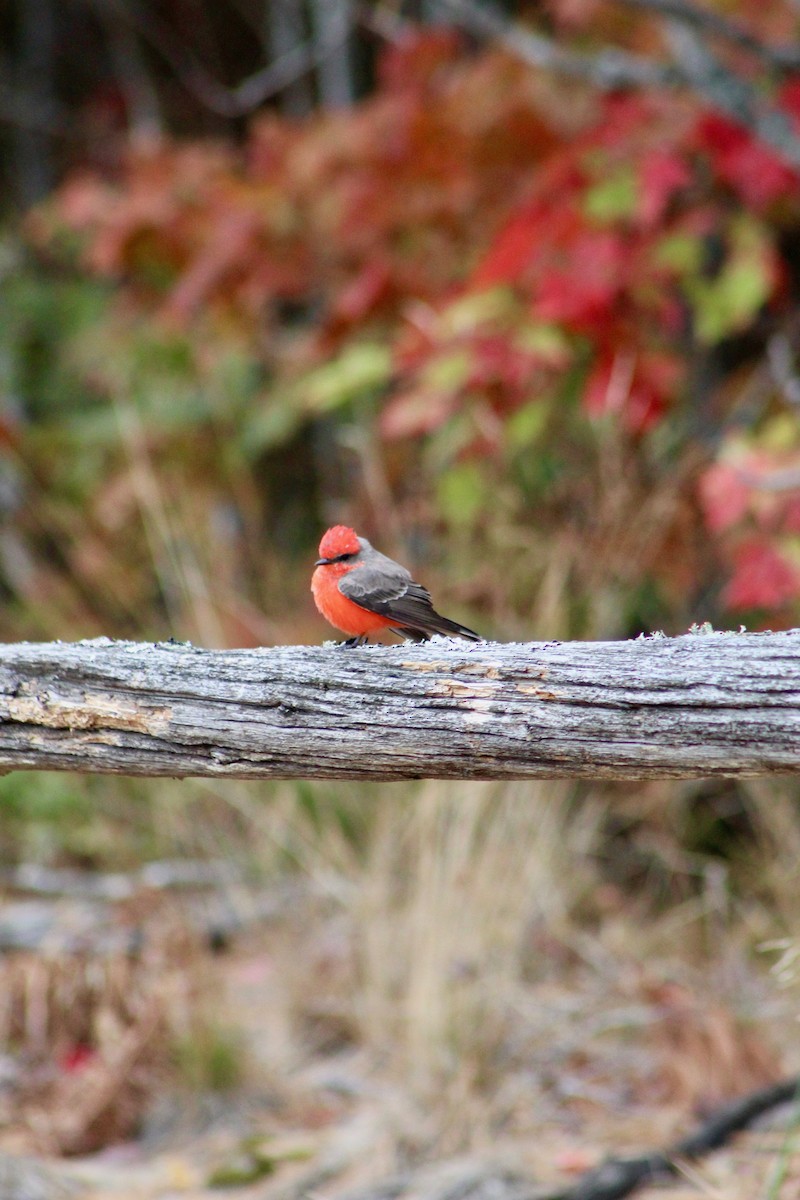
381	584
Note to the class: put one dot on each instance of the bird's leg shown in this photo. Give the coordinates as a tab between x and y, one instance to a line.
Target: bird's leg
355	641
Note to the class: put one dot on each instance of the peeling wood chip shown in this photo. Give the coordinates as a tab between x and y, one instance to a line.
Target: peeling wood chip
92	712
527	689
452	687
418	665
478	668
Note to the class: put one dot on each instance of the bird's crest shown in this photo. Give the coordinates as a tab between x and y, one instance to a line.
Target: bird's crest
339	540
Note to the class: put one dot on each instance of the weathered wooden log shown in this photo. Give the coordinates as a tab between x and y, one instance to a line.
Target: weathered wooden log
719	704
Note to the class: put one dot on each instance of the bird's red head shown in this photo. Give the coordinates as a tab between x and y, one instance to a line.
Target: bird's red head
338	540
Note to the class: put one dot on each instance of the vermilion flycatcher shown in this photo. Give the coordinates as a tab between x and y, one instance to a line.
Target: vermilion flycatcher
361	591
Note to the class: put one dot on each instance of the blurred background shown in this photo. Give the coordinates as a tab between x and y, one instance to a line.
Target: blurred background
513	289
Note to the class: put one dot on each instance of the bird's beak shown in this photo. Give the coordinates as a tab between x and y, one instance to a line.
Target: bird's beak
322	562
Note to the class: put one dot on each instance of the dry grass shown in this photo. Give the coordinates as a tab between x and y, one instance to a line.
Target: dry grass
553	969
96	1031
473	968
457	881
471	951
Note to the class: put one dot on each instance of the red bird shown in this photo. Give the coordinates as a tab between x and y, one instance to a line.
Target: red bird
361	591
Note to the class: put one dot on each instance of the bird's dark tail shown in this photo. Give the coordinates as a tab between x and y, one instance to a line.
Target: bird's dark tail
434	623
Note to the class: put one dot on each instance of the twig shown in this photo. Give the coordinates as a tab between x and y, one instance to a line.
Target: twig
732	94
776	481
707	21
333	22
246	96
139	90
694	67
620	1177
606	69
383	20
780	361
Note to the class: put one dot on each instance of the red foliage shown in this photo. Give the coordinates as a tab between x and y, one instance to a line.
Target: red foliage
591	269
417	412
754	171
509	258
762	578
724	495
756	520
76	1057
412	63
584	281
614	233
662	176
637	386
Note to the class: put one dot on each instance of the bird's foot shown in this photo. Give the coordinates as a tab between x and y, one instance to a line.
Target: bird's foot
361	640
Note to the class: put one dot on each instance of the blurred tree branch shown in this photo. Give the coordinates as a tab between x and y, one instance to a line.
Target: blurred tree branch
694	65
311	52
605	68
719	704
279	73
33	79
708	22
285	32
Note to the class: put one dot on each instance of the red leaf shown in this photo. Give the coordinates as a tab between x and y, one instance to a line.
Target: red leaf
365	294
623	116
536	229
789	100
791	515
762	578
416	412
413	60
636	386
754	171
584	291
495	360
232	243
724	497
76	1058
509	257
83	201
661	176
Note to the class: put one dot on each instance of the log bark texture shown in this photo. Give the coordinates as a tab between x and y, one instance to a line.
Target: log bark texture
713	704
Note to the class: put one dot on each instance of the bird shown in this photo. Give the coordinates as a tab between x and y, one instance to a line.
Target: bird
360	592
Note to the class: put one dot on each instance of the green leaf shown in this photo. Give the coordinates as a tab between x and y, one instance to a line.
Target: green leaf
447	372
462	493
612	199
680	252
779	434
358	369
527	425
475	309
729	302
548	341
271	425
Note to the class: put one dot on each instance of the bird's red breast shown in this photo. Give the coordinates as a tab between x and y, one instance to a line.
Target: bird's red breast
342	613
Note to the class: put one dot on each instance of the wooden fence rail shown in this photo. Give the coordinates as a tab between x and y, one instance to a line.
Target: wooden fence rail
702	704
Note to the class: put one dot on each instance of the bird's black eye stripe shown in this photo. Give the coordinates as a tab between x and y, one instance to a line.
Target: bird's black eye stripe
326	562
